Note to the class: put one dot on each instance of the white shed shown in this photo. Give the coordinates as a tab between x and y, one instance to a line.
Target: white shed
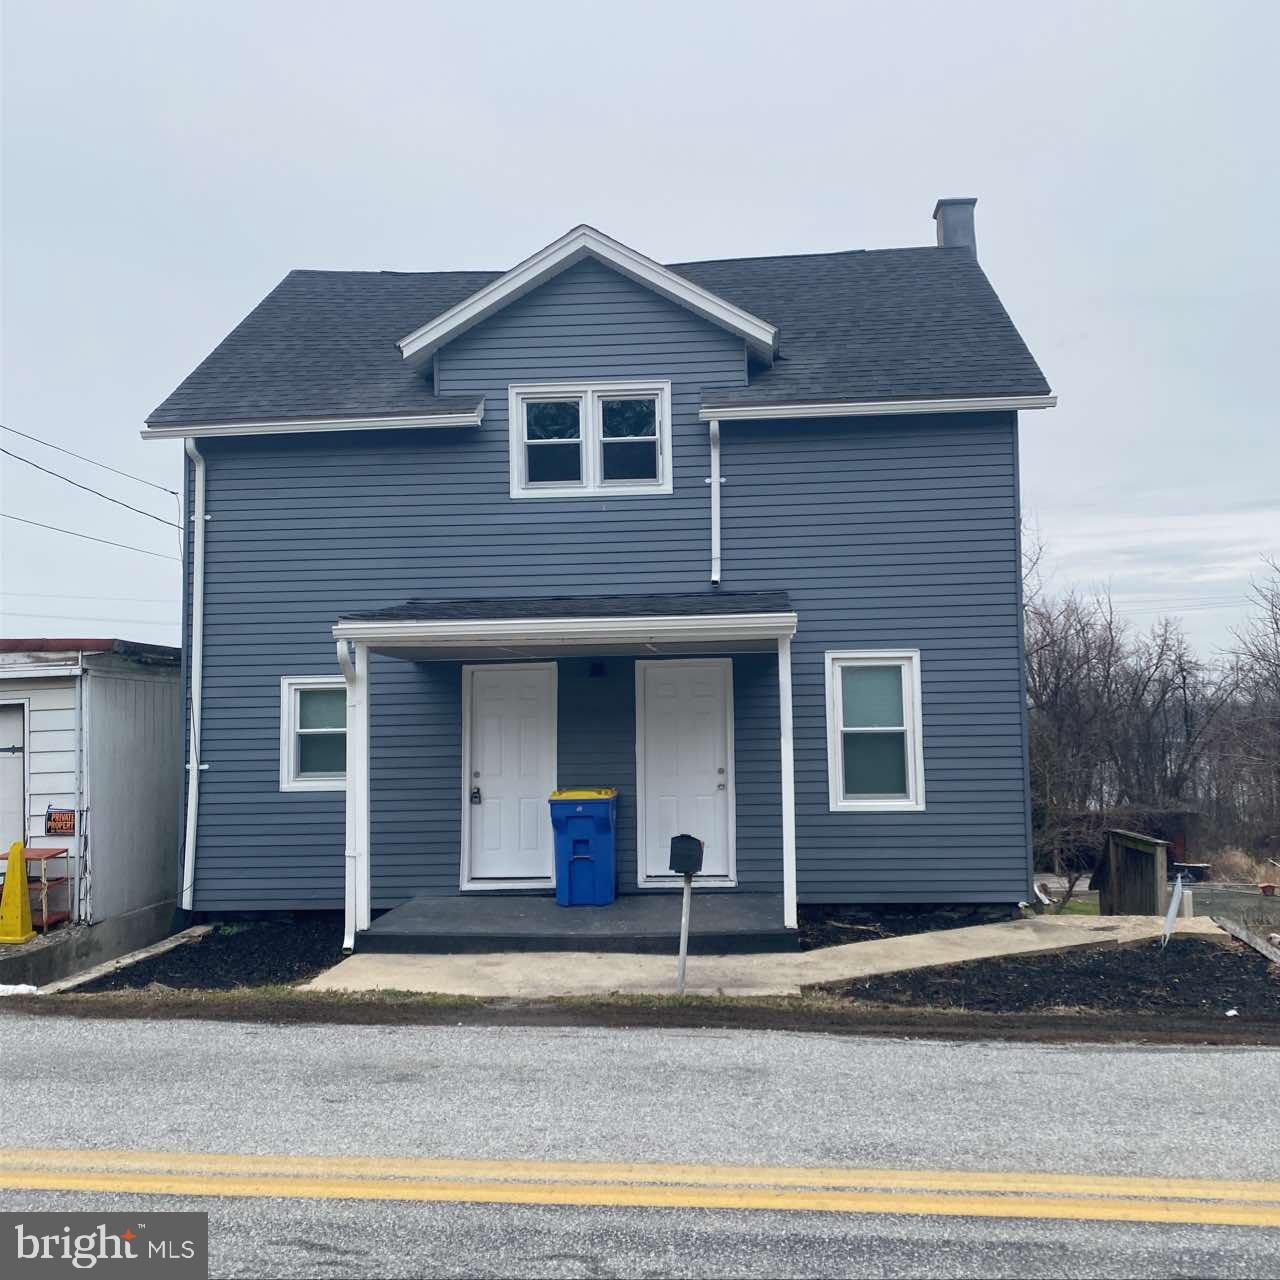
91	760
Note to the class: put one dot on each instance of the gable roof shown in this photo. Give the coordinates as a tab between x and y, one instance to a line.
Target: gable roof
586	242
858	326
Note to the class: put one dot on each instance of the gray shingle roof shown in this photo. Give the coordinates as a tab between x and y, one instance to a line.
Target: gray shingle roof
689	604
889	324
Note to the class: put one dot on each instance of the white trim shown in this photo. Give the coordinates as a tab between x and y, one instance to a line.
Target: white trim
295	426
715	480
786	751
913	724
643	879
465	881
499	633
38	671
570	248
589	393
25	704
195	678
290	780
864	408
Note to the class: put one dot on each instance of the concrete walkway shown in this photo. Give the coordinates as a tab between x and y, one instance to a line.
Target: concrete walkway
535	975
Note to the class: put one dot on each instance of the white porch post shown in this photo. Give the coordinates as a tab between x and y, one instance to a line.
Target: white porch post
354	660
789	910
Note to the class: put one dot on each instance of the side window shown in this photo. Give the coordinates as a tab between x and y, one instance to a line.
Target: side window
574	439
875	754
313	733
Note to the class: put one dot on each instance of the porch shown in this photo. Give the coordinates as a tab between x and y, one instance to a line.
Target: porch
489	705
720	923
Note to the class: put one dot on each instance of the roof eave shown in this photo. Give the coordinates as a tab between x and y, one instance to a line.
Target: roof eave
311	426
760	336
876	408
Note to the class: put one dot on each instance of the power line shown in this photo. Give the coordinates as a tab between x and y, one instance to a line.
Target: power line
91	461
97	493
90	538
63	595
83	617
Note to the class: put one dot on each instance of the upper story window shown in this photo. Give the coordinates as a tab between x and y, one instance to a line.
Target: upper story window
575	438
313	733
875	753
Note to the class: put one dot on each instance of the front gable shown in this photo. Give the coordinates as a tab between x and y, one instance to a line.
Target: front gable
587	244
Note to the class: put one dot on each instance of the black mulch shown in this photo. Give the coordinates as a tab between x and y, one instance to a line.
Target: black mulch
258	954
1190	975
831	926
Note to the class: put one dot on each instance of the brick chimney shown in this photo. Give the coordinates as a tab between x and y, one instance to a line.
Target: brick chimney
955	223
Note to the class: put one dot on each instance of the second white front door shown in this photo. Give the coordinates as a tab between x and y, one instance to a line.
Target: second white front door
685	763
511	771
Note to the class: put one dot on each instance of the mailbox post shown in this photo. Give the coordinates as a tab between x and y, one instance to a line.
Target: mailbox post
686	861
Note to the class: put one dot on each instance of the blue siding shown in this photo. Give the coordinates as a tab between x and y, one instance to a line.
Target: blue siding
888	533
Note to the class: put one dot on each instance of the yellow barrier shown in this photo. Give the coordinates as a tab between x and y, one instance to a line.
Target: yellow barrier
15	902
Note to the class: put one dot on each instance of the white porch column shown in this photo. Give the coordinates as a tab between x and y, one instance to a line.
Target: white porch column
354	660
789	910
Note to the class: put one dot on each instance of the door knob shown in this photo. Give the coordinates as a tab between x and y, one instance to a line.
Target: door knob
475	795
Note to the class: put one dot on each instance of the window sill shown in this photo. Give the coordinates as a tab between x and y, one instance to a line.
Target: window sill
314	784
877	806
577	491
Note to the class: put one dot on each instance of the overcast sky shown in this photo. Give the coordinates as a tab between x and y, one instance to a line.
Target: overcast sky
166	163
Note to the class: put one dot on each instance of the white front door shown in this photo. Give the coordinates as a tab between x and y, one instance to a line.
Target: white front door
511	771
684	763
12	774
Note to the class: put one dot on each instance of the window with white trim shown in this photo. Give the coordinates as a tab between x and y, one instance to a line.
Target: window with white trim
875	750
313	733
576	438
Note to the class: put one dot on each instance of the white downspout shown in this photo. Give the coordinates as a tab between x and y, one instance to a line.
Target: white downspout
194	764
715	481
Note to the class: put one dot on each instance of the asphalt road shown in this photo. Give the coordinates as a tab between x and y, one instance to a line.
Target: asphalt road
693	1098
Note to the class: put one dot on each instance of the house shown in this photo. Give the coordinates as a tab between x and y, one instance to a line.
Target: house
739	538
91	761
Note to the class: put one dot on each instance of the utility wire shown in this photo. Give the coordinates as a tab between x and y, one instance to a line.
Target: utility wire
90	538
82	617
92	461
97	493
63	595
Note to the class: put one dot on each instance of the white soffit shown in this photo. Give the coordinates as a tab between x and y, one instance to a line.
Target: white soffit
582	242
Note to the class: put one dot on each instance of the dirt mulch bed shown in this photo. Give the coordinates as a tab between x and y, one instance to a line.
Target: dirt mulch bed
824	1015
1193	975
262	953
833	926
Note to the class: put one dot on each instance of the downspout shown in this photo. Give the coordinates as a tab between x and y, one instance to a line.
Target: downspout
196	675
715	480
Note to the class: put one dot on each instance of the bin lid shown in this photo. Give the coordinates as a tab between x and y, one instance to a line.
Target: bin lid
585	793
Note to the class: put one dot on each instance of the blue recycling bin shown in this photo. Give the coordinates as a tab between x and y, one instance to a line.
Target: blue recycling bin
583	820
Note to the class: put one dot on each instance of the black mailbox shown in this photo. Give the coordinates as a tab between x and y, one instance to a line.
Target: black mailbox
686	855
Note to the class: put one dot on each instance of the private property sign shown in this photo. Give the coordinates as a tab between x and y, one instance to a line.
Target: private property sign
59	822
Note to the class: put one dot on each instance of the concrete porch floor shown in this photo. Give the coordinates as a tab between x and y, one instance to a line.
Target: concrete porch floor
720	922
532	975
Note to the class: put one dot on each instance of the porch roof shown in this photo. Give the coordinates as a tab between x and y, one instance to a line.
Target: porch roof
665	623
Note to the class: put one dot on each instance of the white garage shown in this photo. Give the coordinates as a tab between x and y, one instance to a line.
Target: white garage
91	761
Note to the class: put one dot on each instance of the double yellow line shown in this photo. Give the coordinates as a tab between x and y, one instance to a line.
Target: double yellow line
948	1193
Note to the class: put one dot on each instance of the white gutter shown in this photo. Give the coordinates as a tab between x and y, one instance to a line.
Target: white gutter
865	408
194	765
715	481
504	632
311	426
